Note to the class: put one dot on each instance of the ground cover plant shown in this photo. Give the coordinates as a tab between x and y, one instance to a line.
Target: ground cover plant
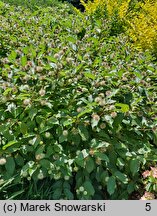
78	106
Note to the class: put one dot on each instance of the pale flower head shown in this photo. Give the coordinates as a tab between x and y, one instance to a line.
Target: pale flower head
98	99
148	196
108	93
113	114
40	175
26	102
95	117
2	161
146	174
154	171
1	181
40	156
42	92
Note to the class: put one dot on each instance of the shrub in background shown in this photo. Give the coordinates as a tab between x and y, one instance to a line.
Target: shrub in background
138	18
143	26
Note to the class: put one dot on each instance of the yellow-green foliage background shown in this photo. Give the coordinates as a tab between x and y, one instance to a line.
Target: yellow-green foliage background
139	18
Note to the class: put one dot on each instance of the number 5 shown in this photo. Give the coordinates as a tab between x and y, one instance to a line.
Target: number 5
148	207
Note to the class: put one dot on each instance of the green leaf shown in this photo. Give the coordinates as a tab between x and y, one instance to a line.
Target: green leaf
62	138
102	156
88	110
45	163
57	193
75	138
7	91
23	128
111	185
16	194
68	122
12	55
57	148
32	170
25	50
2	128
124	107
94	122
9	144
80	160
71	39
155	137
89	188
52	121
104	177
50	150
23	60
83	132
19	160
52	59
69	195
10	165
22	96
122	177
89	75
40	149
45	128
32	113
7	135
57	184
90	165
131	187
120	163
134	166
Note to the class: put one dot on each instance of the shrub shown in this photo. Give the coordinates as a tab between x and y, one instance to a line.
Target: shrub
77	107
143	26
138	18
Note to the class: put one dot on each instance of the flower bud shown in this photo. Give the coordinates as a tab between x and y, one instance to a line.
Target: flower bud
57	176
85	193
66	178
40	175
65	133
47	134
81	189
1	181
75	169
2	161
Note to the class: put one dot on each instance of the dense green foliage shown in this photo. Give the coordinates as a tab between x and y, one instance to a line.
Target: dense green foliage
32	4
78	107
